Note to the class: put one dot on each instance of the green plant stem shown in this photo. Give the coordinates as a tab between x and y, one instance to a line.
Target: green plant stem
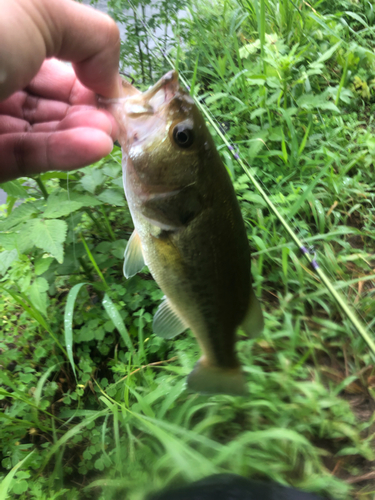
108	225
93	261
86	269
91	215
147	45
11	200
262	32
139	45
42	187
342	81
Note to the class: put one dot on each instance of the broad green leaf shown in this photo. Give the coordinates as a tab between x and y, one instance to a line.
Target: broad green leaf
8	241
14	188
68	323
259	242
118	248
20	486
49	235
118	182
249	49
329	53
113	197
215	97
24	239
59	205
86	200
42	265
20	214
92	180
254	198
257	112
6	259
38	296
112	170
117	320
310	101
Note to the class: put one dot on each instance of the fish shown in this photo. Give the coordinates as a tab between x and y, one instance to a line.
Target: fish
189	230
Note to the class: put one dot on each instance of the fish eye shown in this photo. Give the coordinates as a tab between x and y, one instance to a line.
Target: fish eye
183	135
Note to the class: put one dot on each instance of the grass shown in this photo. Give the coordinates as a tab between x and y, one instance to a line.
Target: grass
292	88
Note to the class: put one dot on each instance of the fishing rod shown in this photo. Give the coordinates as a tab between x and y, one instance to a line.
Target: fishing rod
353	318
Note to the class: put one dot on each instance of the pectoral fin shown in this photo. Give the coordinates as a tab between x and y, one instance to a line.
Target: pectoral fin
174	209
167	323
253	323
133	257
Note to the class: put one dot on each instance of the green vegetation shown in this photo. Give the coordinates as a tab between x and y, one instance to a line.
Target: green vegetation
93	405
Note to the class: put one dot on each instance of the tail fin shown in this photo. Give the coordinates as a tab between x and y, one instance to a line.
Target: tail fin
209	379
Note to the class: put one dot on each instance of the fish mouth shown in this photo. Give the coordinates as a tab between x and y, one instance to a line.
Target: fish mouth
141	113
137	103
155	98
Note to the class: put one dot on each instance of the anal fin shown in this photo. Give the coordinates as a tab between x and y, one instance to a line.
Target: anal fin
167	323
133	257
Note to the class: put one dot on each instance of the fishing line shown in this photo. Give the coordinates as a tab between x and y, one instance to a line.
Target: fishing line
310	256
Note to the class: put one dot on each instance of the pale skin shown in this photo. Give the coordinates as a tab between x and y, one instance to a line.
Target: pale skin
49	114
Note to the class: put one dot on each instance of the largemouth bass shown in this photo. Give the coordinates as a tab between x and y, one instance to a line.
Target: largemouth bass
188	229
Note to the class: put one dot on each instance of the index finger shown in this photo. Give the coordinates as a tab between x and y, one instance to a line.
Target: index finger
33	30
57	81
90	40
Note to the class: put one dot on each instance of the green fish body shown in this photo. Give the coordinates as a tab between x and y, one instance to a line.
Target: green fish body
188	229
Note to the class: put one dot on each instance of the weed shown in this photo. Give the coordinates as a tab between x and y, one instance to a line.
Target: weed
86	384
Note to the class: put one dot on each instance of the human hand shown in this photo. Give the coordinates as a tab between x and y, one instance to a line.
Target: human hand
54	123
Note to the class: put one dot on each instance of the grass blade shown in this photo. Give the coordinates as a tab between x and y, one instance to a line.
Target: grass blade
116	319
68	323
71	433
7	481
93	261
193	80
42	380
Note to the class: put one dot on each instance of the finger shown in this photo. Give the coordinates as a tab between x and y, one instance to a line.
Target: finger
57	81
36	109
24	154
62	29
32	108
100	120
